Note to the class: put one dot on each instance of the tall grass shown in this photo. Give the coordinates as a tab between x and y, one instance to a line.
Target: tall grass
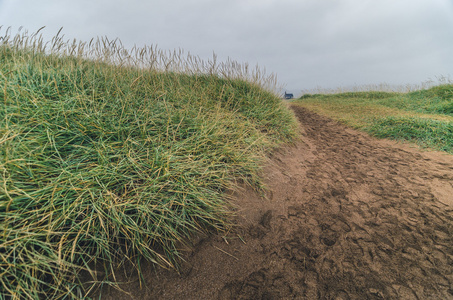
424	117
109	155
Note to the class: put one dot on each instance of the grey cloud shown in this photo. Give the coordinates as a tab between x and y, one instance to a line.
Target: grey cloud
306	42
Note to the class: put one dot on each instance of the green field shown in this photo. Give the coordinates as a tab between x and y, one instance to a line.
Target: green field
109	156
423	117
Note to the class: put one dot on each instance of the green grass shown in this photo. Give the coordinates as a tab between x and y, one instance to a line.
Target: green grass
436	100
109	156
425	132
423	117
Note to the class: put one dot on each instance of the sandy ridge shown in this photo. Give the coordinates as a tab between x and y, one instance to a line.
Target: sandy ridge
347	217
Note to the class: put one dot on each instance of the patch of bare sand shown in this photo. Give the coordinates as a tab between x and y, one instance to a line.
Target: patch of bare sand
346	217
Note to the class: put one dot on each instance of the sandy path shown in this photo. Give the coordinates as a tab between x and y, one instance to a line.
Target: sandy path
347	217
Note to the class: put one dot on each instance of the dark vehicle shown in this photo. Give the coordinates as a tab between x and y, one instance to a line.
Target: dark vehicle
288	96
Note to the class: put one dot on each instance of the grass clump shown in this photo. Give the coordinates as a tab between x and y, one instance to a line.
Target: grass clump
436	100
424	132
108	155
424	117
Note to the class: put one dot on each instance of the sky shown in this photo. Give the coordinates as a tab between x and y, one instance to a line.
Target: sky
306	43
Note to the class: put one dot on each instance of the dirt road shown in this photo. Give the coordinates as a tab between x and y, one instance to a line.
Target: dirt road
347	217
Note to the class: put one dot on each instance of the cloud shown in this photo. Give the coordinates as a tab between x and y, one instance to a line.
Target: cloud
306	42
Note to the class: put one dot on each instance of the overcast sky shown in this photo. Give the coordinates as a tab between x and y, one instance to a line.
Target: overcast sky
307	43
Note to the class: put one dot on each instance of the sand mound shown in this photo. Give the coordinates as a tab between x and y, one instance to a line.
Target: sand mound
347	217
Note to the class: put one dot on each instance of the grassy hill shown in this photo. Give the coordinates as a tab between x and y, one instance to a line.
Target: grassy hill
108	155
424	117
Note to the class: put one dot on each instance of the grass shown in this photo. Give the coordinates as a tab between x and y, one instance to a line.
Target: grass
110	155
423	117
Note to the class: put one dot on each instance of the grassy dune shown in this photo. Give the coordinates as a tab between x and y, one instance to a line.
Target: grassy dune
109	155
424	117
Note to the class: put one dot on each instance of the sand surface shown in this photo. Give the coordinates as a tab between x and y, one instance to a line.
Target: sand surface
346	217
